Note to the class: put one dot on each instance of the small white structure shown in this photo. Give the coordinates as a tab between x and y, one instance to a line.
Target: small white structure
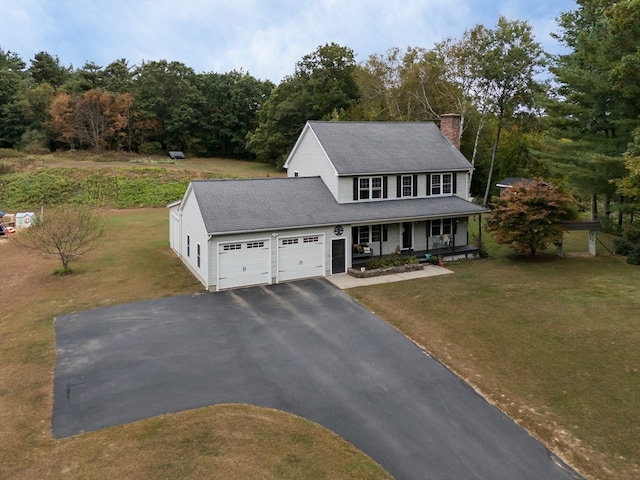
25	219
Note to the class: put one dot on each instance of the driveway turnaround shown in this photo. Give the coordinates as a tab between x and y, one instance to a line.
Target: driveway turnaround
302	347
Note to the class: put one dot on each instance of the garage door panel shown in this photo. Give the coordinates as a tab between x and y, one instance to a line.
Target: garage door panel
301	257
243	263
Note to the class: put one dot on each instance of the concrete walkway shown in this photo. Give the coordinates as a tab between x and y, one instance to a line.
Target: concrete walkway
346	281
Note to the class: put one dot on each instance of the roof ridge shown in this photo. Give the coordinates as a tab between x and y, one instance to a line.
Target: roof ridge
239	179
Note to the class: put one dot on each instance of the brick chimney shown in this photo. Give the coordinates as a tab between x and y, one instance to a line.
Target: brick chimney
450	128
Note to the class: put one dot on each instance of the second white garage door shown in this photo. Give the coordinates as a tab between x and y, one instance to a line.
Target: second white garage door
241	264
301	257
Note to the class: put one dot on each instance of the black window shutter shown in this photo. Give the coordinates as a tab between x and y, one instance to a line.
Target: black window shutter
399	186
384	187
415	185
355	188
385	228
354	235
428	185
455	182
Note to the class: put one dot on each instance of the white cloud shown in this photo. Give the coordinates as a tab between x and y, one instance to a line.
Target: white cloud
264	37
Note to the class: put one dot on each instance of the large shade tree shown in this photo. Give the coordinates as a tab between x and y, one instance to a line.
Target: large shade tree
322	87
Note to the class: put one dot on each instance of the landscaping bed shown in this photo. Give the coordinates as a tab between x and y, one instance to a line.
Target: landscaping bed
386	265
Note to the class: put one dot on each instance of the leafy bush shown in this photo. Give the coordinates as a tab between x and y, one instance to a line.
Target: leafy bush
621	246
11	153
633	257
391	261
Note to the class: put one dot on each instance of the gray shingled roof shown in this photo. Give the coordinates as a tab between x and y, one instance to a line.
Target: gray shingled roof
357	148
234	206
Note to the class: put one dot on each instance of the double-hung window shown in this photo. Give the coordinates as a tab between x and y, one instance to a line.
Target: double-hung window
369	188
442	184
446	184
367	234
407	185
441	227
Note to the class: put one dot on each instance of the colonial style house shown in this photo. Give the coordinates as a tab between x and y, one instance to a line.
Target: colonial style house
354	190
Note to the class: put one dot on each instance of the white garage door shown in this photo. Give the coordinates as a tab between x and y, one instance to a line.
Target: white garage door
301	257
241	264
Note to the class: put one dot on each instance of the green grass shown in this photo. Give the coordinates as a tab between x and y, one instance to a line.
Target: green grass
555	343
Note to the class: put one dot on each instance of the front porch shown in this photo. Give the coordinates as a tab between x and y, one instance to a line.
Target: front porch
448	254
446	239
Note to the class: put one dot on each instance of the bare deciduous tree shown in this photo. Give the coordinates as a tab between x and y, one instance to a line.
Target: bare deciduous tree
66	232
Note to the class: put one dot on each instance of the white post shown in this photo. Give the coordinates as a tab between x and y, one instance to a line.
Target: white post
592	242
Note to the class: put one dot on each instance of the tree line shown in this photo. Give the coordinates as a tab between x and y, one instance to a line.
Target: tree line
573	118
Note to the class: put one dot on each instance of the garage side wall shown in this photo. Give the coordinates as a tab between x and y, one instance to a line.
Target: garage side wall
193	243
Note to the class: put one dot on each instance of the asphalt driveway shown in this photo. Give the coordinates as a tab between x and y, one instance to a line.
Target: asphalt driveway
302	347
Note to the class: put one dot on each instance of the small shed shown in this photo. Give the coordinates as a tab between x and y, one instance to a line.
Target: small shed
25	219
176	155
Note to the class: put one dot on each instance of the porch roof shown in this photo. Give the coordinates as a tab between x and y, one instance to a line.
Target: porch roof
255	205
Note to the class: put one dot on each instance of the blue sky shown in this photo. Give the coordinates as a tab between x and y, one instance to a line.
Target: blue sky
265	38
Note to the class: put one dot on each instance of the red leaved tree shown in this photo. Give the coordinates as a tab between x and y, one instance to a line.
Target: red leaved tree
527	217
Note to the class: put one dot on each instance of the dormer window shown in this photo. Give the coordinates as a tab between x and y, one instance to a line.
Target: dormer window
369	188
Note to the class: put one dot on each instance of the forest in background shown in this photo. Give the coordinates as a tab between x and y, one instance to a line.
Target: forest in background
572	119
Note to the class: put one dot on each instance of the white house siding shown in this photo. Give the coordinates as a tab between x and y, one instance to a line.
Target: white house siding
462	232
420	235
174	228
193	226
463	185
345	186
310	160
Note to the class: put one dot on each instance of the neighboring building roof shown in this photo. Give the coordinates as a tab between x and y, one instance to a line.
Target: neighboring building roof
511	181
356	148
239	206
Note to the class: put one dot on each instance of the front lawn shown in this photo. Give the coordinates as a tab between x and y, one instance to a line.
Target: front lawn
554	342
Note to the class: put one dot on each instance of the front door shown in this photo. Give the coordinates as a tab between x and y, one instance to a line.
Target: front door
407	236
338	255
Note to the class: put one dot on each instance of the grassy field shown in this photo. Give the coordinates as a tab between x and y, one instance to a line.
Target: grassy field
220	442
555	343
